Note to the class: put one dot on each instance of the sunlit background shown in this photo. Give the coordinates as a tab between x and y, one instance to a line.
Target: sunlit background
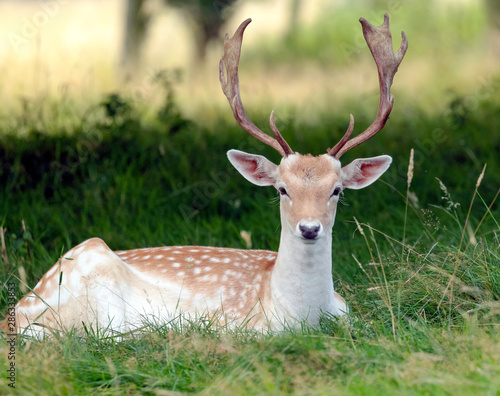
298	56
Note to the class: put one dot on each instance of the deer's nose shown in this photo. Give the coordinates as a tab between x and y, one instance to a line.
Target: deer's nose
310	230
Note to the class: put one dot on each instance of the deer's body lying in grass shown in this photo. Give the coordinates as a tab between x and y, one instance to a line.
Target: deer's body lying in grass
92	286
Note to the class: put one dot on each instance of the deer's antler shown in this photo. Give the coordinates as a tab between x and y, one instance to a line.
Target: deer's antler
231	88
379	41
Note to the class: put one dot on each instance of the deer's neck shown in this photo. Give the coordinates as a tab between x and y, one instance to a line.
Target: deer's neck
301	281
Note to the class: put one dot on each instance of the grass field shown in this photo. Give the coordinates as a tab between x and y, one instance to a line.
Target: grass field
419	264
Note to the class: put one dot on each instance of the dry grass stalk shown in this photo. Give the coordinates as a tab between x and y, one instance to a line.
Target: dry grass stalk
247	237
410	169
4	249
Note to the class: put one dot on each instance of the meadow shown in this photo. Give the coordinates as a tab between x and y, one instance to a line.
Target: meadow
416	255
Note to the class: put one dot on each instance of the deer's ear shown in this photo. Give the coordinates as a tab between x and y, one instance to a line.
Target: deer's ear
364	171
255	168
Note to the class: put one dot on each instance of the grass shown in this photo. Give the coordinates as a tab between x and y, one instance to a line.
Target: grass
423	286
418	260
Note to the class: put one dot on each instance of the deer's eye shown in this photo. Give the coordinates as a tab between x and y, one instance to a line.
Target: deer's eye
282	191
336	192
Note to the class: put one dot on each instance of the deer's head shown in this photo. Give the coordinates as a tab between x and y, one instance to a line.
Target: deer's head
309	186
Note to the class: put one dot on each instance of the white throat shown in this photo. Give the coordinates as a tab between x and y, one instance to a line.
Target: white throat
301	282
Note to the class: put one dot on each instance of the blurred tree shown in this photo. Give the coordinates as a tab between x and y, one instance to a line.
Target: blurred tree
293	22
205	16
136	21
493	9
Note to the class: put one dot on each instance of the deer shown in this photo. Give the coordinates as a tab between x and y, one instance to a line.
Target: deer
92	286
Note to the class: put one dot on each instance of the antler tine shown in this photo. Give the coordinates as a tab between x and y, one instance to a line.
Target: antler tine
231	88
344	139
379	41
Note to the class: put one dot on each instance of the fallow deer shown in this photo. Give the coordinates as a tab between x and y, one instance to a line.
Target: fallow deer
93	286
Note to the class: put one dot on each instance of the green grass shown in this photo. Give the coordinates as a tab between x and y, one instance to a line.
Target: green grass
425	314
424	294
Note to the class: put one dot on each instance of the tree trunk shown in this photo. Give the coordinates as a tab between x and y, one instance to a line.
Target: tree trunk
136	22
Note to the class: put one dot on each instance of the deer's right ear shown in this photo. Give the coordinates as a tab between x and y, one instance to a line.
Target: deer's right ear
255	168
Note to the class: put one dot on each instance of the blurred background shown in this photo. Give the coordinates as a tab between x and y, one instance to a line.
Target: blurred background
307	54
112	107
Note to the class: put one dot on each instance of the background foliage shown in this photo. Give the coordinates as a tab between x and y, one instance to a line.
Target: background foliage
419	264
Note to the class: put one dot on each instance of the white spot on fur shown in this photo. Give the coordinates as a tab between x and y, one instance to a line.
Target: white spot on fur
198	300
88	260
176	265
74	280
159	256
162	283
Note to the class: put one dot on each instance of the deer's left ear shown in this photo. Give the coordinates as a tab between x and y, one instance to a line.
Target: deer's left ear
364	171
